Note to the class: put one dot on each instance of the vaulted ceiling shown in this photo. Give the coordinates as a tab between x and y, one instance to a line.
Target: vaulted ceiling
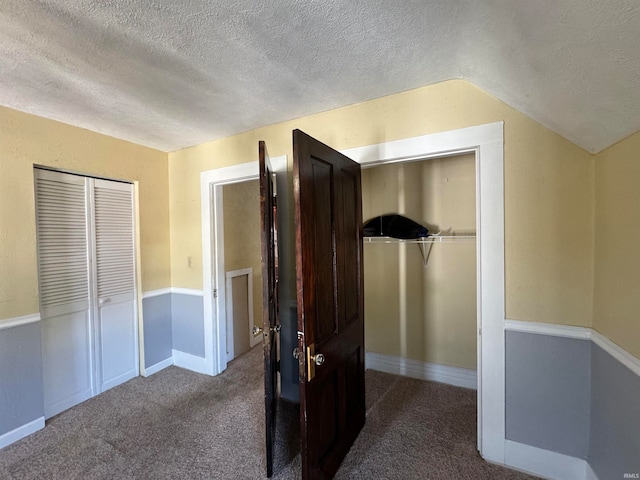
173	73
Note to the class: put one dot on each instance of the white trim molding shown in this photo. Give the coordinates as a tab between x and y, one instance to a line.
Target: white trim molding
565	331
578	333
148	371
18	321
156	293
453	142
187	291
460	377
545	463
21	432
190	362
179	290
617	352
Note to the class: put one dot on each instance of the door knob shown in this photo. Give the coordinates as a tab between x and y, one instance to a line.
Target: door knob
256	330
318	358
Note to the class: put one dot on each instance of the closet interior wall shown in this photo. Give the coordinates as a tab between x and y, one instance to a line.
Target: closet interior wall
423	313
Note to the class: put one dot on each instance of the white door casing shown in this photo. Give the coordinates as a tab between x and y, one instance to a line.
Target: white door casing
487	143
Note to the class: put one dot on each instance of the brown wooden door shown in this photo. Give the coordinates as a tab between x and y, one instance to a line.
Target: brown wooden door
328	216
268	230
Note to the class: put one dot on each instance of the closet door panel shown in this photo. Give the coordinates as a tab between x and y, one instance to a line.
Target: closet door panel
117	344
115	282
67	365
63	274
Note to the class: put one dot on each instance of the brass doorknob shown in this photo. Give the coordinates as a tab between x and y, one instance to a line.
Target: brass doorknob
318	358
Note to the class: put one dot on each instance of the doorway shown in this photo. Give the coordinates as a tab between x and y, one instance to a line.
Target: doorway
242	265
486	143
212	183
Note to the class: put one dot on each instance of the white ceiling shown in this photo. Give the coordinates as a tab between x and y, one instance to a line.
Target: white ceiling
169	74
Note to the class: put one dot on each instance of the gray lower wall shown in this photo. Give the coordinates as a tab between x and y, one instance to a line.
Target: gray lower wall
21	391
187	312
158	335
615	417
548	385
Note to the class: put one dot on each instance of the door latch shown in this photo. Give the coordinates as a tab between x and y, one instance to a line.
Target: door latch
313	359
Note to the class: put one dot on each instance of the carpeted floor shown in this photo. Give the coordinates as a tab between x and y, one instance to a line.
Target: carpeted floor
178	424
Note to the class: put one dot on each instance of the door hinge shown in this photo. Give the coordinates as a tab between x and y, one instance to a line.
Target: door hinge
215	293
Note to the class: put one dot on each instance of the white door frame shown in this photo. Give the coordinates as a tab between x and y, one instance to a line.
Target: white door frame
487	143
213	274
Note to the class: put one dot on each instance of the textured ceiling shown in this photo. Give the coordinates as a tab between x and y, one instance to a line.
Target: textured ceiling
170	73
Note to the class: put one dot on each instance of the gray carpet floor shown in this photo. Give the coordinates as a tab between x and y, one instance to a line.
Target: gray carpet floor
178	424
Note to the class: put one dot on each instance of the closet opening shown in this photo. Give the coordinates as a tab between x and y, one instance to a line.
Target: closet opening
421	296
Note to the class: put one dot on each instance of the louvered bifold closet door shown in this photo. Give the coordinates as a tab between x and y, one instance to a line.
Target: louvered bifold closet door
63	267
113	228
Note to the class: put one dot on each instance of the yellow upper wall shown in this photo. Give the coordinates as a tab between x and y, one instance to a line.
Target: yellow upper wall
617	236
549	187
26	140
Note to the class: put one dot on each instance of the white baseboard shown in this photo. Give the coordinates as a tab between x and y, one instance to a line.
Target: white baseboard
21	432
546	464
460	377
155	368
190	362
